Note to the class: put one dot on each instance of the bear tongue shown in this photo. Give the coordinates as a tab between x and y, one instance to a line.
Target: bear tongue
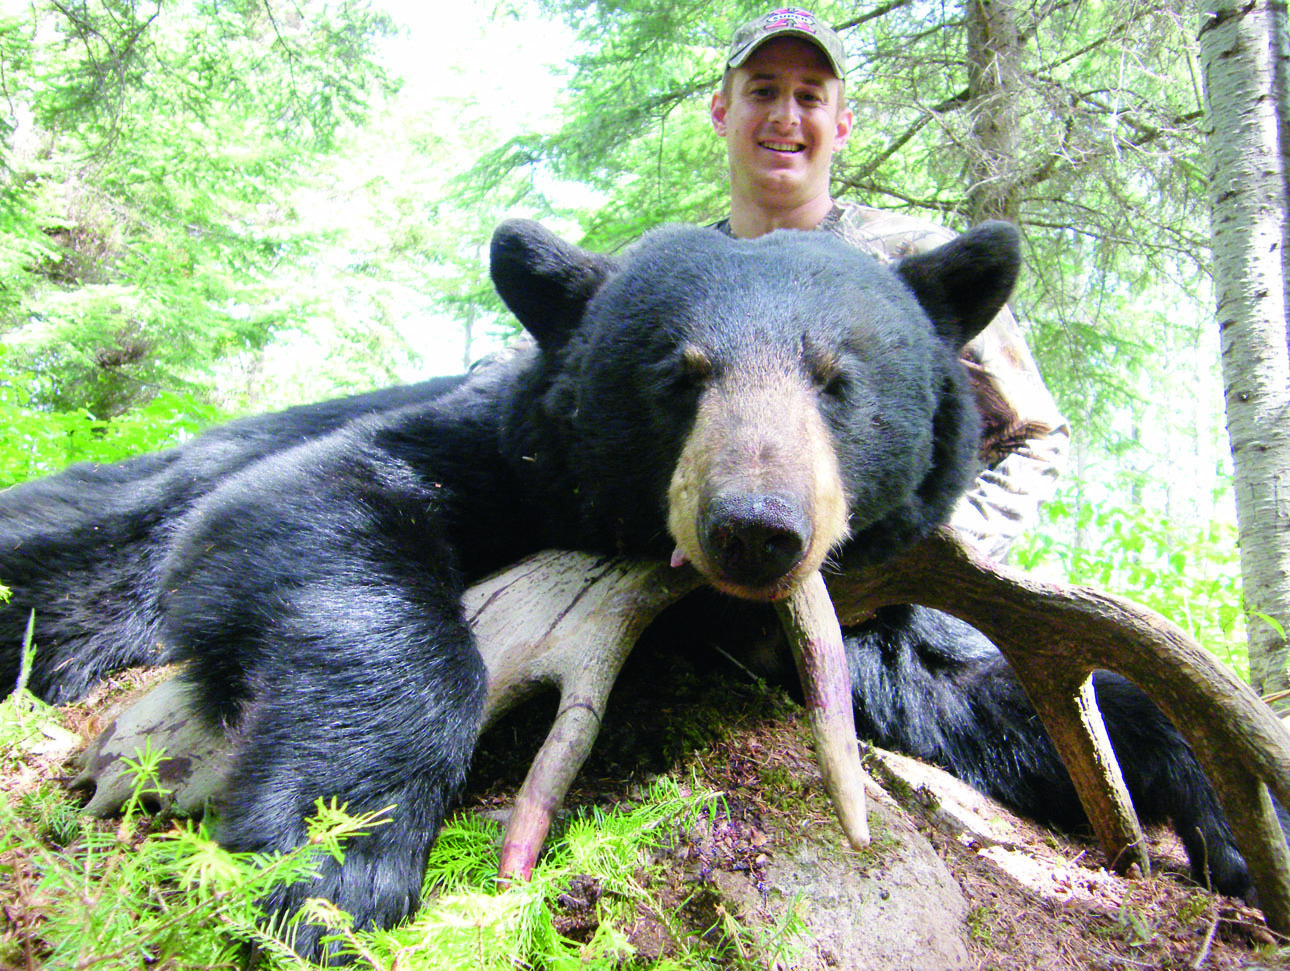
678	558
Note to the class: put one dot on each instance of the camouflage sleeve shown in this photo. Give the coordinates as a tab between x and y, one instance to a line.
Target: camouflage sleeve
1005	499
1025	438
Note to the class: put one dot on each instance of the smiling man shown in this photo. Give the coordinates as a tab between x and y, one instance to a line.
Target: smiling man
782	111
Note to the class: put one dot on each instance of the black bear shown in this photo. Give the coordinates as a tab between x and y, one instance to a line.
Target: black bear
751	407
746	406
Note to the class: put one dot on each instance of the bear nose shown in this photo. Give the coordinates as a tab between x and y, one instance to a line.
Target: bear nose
755	539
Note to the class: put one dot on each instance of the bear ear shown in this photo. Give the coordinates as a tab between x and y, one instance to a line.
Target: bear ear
545	281
965	282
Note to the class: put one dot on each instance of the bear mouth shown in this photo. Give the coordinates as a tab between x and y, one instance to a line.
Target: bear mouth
766	592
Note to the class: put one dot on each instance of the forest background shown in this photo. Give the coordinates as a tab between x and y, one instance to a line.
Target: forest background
209	208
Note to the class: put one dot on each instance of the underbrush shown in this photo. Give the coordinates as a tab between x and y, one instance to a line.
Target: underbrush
1188	572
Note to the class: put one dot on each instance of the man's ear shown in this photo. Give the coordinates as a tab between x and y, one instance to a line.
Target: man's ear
845	122
717	112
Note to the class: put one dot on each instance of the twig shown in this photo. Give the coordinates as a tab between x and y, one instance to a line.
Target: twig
1203	954
752	676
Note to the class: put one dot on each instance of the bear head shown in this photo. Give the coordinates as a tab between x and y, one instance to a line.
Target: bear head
750	406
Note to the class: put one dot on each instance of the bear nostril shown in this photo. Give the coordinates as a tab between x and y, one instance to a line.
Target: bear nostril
755	539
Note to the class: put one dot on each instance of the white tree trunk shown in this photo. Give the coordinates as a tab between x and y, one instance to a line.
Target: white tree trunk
1239	55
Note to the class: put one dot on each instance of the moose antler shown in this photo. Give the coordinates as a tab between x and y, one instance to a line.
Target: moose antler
556	619
563	620
1055	637
569	620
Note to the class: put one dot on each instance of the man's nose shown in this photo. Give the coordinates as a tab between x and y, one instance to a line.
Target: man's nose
783	112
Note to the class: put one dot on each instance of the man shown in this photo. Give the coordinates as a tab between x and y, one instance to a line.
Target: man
782	111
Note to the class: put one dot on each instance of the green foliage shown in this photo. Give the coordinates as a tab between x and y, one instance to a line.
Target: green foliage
115	900
115	895
144	198
24	717
471	924
40	442
1188	572
633	124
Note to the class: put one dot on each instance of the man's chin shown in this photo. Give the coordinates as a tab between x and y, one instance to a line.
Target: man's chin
783	184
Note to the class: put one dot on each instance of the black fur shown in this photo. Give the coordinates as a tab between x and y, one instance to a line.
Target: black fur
902	416
83	548
308	565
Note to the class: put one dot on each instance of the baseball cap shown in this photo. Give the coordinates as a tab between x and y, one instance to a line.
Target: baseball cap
788	22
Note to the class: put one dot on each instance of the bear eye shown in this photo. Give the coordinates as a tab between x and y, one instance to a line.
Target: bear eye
829	376
696	364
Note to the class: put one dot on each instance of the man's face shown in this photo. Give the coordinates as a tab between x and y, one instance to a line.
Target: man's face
782	118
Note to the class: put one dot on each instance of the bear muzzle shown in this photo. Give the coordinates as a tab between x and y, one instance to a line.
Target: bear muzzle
756	501
753	539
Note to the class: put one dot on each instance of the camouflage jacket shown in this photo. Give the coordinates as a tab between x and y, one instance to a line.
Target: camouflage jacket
1024	439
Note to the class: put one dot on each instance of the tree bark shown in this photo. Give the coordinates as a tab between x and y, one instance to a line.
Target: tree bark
1243	61
993	53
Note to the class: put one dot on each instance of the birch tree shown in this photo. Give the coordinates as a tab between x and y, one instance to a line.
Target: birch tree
1243	60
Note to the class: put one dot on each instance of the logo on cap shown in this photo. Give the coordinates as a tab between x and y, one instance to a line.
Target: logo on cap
788	22
793	18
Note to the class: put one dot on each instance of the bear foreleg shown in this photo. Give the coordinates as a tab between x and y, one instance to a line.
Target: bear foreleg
377	729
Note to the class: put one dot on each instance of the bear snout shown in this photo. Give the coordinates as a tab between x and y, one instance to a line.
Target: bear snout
756	500
755	539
